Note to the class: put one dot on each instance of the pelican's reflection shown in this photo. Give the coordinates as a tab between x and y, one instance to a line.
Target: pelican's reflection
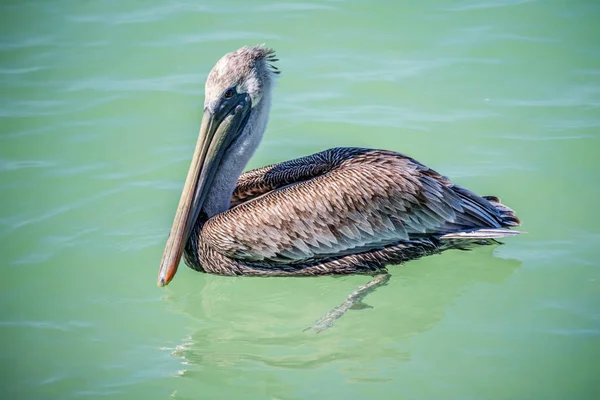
254	326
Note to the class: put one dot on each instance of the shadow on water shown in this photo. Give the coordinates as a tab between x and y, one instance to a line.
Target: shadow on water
244	326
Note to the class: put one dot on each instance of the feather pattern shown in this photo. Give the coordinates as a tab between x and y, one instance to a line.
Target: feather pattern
343	210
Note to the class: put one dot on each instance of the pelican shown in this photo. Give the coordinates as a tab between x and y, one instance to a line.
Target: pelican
339	211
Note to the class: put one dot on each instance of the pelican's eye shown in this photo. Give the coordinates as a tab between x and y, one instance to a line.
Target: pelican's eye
229	93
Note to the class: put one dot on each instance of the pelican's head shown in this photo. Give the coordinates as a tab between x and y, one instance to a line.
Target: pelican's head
247	71
237	96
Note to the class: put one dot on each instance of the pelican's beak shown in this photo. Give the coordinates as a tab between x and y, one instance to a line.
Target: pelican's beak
218	130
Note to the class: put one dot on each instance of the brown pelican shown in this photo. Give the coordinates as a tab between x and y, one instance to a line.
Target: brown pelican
340	211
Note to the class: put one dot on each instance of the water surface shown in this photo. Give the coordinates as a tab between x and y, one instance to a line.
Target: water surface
100	105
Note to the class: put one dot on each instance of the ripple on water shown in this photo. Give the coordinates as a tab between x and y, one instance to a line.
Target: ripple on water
179	83
212	37
14	222
484	5
12	165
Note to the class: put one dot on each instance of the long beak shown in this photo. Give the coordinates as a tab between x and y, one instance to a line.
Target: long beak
217	132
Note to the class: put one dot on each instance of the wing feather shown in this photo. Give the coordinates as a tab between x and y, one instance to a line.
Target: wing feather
339	202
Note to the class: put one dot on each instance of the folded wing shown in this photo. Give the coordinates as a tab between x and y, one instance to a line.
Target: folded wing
342	201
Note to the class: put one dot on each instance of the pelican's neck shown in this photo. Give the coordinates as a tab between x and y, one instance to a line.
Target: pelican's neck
236	158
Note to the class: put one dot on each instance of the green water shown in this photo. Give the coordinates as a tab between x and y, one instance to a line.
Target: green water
100	105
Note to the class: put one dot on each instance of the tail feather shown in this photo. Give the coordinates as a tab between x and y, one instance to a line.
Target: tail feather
507	218
486	233
507	215
492	199
469	240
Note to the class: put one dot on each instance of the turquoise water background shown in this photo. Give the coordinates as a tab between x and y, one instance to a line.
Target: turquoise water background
100	105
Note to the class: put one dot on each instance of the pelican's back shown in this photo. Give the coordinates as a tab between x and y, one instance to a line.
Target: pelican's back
346	201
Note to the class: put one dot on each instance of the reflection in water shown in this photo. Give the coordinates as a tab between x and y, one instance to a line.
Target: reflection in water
253	324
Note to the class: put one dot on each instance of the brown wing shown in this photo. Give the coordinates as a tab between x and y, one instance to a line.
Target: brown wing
342	201
266	179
